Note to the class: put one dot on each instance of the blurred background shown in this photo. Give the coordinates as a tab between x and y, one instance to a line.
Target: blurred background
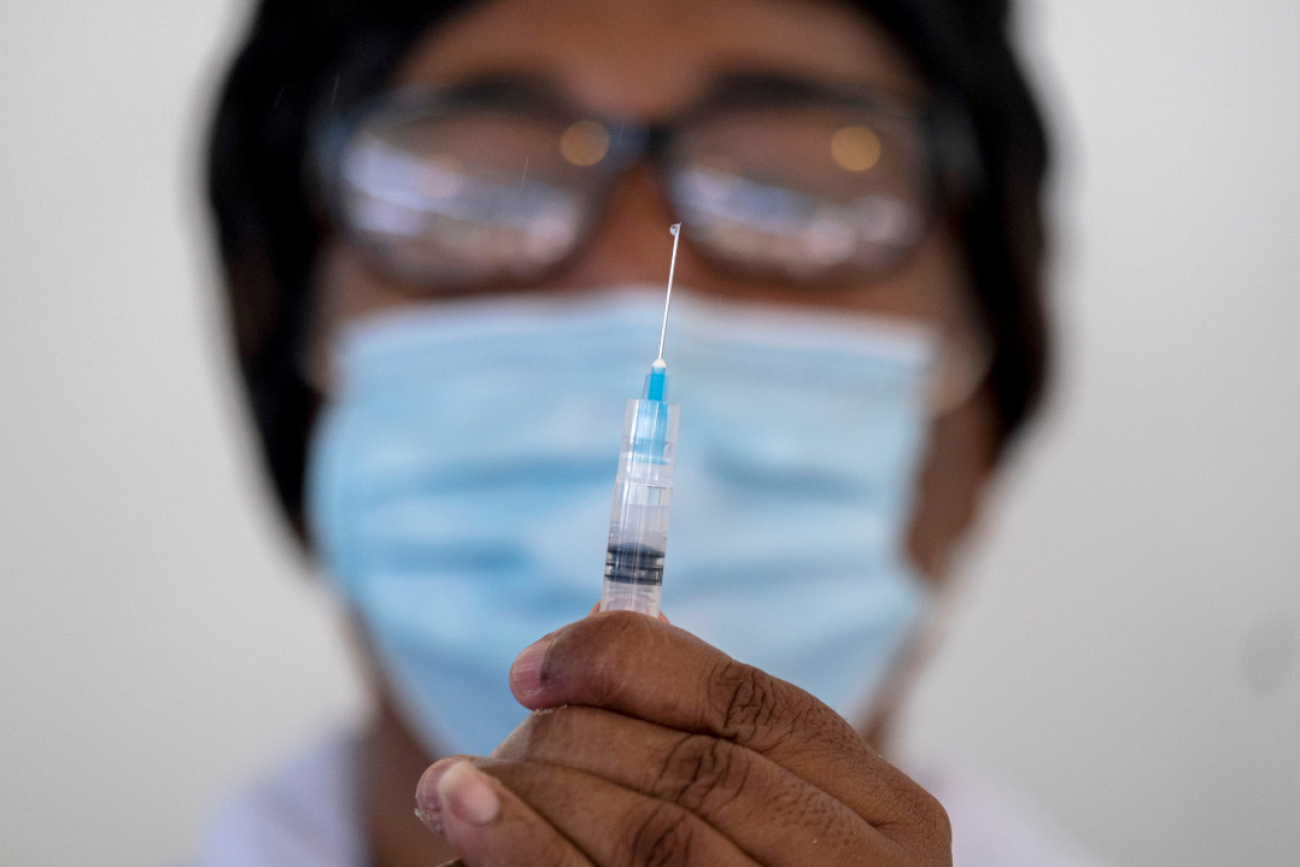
1125	650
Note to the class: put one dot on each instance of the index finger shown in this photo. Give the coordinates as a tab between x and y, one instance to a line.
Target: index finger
653	671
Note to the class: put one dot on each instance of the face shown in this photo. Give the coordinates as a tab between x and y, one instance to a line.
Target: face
650	60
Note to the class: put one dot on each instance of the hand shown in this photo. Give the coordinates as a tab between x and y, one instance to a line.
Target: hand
649	747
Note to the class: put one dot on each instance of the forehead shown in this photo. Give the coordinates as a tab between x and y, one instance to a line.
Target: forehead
649	58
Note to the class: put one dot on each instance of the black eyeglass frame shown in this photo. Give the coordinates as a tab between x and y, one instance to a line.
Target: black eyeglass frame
952	166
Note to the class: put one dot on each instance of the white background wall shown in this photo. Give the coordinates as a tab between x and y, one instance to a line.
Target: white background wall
1125	649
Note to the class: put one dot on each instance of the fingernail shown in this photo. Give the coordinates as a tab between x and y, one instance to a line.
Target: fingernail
468	795
428	806
526	672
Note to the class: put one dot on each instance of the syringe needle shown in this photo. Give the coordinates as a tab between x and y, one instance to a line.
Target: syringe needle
676	231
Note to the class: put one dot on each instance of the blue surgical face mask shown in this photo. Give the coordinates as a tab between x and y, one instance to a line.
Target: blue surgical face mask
460	482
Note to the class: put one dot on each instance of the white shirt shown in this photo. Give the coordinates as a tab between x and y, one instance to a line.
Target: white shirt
307	813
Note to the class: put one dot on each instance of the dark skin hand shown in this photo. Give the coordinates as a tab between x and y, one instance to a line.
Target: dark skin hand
648	746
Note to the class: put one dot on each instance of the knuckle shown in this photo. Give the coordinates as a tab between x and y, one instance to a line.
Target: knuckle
936	830
661	837
744	702
926	827
702	773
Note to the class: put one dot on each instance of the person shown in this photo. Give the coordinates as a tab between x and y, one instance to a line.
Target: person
444	233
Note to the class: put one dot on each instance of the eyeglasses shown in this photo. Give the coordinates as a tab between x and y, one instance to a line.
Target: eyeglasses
497	184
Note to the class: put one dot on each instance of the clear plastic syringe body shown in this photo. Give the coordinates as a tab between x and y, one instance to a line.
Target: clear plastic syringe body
643	495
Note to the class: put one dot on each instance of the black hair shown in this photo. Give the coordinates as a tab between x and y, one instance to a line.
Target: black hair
302	60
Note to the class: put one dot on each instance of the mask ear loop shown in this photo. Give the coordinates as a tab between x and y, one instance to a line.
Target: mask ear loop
964	360
965	356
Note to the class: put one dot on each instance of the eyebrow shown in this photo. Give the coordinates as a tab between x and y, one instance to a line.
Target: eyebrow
739	85
734	87
508	85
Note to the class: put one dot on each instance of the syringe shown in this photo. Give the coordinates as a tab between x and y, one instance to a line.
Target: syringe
643	488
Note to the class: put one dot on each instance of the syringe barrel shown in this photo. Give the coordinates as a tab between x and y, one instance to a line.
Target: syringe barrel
643	494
